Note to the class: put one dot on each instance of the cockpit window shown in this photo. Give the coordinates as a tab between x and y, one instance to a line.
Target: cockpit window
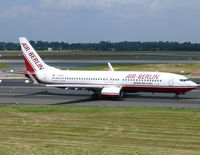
184	80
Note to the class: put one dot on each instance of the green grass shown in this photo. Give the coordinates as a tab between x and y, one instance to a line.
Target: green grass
106	55
80	55
184	69
98	130
4	65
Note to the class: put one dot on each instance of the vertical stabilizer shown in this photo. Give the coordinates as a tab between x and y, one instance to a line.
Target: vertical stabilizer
32	60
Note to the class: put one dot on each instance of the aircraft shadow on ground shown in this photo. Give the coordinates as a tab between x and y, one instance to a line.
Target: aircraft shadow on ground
76	101
50	94
91	98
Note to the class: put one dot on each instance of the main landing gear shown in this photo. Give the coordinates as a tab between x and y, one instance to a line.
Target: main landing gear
96	94
177	95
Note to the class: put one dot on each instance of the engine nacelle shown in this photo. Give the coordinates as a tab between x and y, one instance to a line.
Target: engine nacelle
112	92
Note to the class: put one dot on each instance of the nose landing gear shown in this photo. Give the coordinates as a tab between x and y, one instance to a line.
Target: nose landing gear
177	95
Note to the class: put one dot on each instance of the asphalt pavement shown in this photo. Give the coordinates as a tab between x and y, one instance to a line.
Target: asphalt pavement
14	91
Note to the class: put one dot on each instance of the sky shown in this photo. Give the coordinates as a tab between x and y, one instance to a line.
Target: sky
100	20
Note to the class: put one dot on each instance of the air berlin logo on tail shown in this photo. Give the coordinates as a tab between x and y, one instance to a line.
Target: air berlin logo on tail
33	56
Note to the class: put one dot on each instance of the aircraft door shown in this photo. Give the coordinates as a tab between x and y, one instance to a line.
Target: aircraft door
45	77
171	81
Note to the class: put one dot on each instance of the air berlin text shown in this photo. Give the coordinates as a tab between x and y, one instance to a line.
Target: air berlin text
33	56
144	76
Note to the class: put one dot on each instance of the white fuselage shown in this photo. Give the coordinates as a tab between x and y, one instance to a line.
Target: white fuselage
128	81
106	83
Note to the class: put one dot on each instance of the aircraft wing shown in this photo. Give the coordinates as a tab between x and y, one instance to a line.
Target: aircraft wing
75	86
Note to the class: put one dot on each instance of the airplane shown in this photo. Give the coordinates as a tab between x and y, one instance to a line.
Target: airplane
109	83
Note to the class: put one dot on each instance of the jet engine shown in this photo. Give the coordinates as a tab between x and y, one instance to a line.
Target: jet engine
112	91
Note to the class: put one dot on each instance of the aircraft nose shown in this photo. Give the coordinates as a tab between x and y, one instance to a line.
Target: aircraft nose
194	84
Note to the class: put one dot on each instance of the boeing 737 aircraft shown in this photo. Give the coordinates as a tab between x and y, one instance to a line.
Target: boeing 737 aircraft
105	83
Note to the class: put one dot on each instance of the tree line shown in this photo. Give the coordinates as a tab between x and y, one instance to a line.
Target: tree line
108	46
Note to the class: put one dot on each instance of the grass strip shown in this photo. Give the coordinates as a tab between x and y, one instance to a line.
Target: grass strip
178	68
36	129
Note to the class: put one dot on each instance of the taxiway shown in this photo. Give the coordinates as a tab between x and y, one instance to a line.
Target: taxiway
19	92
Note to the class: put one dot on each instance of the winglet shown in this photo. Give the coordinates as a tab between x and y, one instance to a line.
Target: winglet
110	67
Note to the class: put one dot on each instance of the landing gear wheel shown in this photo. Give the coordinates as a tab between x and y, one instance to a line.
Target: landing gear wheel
176	96
95	96
121	94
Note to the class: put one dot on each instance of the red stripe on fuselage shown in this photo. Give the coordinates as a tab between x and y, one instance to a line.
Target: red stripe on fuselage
178	90
122	85
139	88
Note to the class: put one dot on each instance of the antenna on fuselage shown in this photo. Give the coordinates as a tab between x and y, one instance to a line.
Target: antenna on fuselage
110	67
